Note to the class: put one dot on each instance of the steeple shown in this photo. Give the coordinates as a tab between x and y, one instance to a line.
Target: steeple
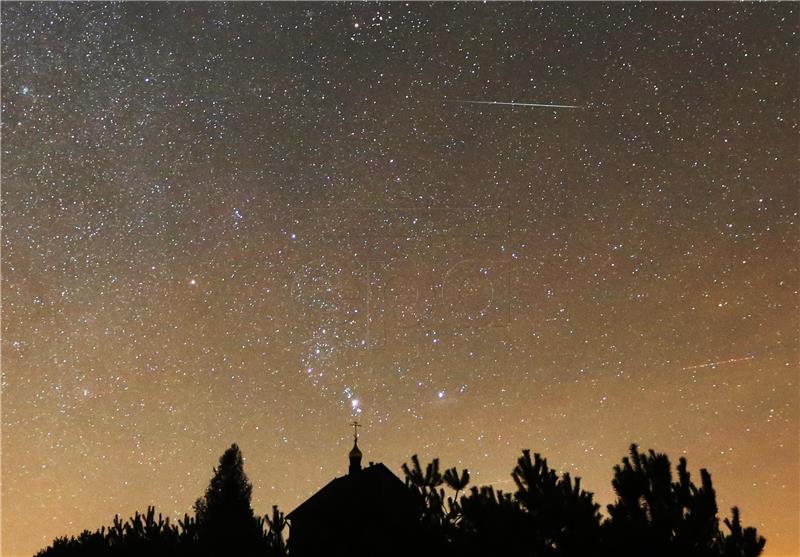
355	452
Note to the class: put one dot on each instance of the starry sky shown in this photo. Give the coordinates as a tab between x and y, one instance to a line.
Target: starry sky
254	223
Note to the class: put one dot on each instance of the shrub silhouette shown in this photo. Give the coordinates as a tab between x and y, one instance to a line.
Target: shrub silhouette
224	524
139	535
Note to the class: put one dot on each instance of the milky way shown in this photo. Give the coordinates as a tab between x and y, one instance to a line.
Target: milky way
254	223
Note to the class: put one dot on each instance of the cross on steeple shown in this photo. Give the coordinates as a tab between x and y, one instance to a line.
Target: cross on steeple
355	453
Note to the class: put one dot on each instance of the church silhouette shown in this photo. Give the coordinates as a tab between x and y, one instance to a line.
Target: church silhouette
367	512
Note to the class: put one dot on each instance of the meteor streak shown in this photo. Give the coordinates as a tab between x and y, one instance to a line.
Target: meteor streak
506	103
719	363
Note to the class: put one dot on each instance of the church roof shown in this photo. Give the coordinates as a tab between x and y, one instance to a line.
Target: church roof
373	483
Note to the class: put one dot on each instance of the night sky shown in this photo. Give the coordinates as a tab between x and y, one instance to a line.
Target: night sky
253	223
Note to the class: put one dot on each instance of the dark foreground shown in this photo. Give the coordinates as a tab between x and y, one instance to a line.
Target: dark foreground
658	512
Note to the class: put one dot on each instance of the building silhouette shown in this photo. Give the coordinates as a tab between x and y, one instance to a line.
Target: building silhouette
367	512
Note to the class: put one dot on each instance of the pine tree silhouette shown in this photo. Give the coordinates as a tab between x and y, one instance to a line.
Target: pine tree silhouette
276	545
655	516
226	522
433	516
492	524
563	519
455	482
741	542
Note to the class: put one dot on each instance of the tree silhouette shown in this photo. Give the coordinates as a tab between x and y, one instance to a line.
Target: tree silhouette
433	516
455	482
549	515
276	545
225	519
492	524
563	519
741	542
655	516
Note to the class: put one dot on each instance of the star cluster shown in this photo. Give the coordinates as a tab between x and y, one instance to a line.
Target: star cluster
253	223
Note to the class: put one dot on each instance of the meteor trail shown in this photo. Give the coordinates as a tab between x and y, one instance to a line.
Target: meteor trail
505	103
711	364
